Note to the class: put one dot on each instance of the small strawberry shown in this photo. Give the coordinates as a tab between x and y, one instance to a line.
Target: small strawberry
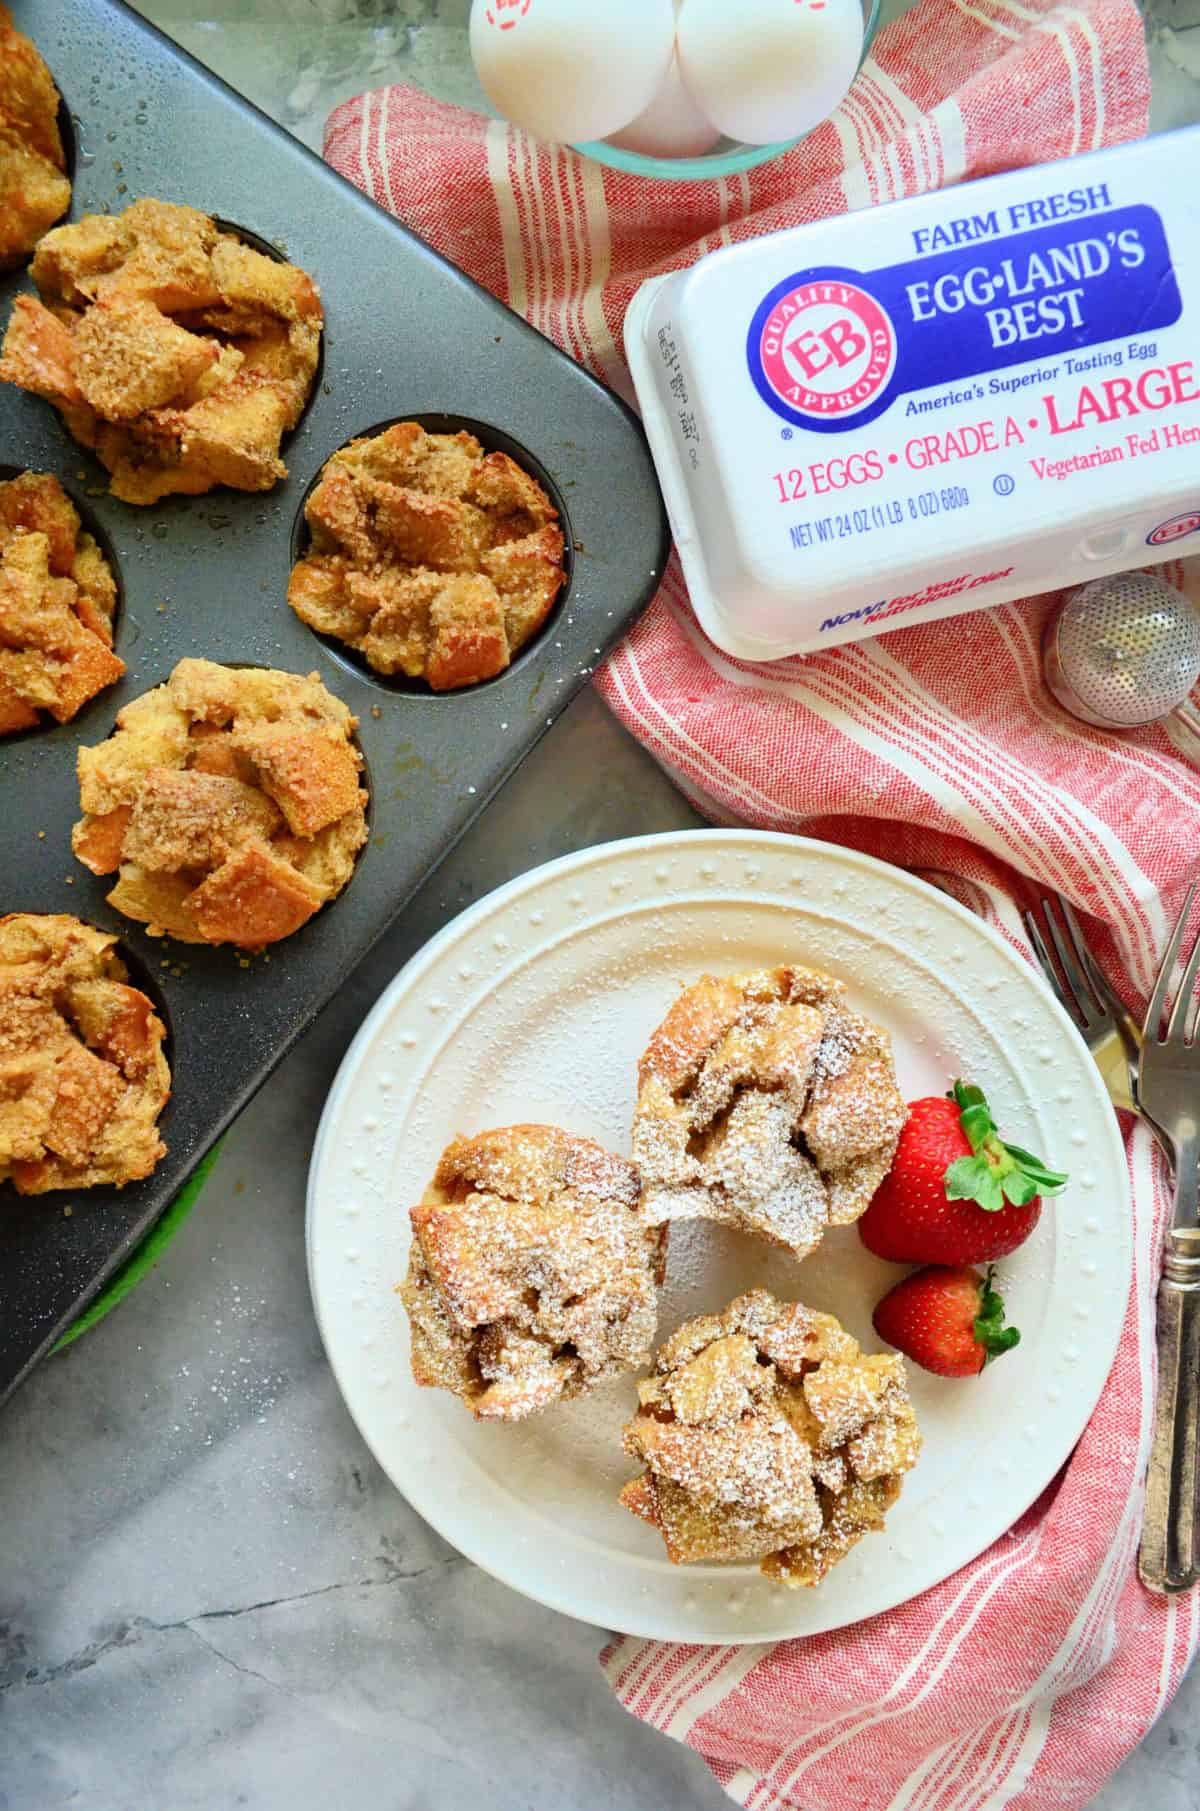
956	1194
948	1320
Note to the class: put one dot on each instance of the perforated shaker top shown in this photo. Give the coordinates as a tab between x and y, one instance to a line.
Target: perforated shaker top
1129	647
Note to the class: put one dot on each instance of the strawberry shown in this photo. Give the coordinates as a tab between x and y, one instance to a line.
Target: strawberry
947	1319
956	1194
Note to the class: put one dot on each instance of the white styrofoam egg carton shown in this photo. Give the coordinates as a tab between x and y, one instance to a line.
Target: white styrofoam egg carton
934	405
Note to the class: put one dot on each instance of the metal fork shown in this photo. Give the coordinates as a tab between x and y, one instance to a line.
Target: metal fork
1112	1035
1169	1088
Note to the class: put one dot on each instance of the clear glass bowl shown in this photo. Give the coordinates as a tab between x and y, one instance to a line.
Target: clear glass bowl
726	158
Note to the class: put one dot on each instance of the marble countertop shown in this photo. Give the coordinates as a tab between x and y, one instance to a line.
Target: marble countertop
210	1595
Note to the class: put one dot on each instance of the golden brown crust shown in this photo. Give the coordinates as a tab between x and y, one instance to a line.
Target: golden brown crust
766	1434
228	803
178	354
57	598
311	780
530	1276
764	1102
431	558
83	1077
34	189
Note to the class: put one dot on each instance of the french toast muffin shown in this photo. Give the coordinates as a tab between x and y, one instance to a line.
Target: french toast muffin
227	802
531	1277
767	1434
174	351
83	1077
764	1102
35	190
57	599
430	557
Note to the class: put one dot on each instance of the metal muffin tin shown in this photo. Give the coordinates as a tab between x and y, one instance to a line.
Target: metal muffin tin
406	335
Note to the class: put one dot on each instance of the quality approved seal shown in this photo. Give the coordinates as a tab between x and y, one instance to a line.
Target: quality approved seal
821	349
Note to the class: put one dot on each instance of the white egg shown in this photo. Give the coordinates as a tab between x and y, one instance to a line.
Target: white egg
766	70
671	126
569	71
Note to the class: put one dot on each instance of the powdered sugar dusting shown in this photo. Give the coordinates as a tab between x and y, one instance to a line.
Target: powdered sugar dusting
531	1277
764	1434
766	1104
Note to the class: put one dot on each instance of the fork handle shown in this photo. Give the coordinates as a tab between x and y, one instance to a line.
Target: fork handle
1169	1559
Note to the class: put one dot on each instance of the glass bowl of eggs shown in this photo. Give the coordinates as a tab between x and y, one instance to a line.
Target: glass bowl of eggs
671	89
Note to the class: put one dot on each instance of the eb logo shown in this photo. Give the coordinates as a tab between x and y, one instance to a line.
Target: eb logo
821	351
1177	529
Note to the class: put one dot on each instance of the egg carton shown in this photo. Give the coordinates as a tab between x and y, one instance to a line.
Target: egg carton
406	336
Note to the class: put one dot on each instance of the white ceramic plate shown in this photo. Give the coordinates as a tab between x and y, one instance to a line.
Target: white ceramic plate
534	1005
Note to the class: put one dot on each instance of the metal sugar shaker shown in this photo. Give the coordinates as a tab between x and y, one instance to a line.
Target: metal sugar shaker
1125	651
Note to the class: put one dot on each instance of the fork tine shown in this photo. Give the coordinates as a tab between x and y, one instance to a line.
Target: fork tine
1033	931
1077	981
1162	987
1182	1011
1091	968
1193	1030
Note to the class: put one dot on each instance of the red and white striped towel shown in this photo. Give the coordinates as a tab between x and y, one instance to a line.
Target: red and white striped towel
1027	1677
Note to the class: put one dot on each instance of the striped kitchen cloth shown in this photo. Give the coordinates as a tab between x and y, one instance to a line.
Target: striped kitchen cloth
1024	1679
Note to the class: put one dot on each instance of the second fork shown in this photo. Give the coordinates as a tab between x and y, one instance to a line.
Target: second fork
1169	1086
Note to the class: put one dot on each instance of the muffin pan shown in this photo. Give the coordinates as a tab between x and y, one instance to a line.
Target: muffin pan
406	336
